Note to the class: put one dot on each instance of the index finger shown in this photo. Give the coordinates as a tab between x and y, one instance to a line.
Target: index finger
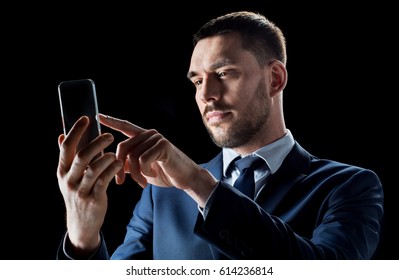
126	127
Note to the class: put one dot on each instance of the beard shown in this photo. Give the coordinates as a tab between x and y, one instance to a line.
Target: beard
249	123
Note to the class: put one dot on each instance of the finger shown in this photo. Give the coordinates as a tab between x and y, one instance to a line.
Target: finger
88	153
135	172
98	175
131	149
68	143
127	128
120	175
61	138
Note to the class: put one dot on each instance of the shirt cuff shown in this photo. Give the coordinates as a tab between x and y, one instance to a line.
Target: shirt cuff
204	211
67	248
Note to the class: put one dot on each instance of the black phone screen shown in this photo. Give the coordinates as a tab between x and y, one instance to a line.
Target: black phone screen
78	98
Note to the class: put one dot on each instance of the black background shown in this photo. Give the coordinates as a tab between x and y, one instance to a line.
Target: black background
339	101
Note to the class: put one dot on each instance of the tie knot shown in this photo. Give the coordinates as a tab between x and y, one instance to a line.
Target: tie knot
250	161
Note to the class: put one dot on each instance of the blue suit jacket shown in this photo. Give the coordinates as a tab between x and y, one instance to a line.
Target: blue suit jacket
311	208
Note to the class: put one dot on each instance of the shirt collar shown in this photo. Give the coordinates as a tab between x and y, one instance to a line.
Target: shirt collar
273	154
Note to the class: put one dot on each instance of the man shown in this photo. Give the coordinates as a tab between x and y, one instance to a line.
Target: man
303	207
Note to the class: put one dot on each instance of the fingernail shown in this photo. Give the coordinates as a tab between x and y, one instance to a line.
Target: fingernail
108	136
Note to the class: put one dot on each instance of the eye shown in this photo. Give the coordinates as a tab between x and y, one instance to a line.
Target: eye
197	82
222	74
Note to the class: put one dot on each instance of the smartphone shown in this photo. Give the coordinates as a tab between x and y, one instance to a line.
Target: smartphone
78	98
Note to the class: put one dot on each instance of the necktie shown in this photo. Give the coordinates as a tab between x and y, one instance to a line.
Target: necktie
246	182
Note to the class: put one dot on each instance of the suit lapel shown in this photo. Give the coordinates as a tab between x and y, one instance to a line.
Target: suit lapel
215	166
293	170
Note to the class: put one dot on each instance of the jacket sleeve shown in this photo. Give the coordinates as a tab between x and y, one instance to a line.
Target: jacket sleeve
64	251
347	224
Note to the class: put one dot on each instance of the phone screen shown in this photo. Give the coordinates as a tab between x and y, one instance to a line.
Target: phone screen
78	98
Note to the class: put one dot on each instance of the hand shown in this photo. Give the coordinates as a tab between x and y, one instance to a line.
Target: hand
83	180
151	158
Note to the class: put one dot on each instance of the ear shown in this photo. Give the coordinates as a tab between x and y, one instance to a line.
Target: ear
278	77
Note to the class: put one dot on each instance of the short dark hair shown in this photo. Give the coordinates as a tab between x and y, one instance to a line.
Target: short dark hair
259	35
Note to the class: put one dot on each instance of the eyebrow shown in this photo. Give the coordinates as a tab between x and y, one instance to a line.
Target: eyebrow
214	66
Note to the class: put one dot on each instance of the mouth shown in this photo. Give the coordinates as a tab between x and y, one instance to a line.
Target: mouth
216	116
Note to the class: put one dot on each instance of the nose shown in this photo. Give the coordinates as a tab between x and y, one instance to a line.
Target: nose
209	91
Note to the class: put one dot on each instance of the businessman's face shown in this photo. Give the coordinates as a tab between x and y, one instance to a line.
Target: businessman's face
231	91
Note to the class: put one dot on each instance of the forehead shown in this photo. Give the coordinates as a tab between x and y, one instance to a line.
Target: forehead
222	42
219	49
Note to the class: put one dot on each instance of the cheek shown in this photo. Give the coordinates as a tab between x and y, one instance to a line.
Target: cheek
200	104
